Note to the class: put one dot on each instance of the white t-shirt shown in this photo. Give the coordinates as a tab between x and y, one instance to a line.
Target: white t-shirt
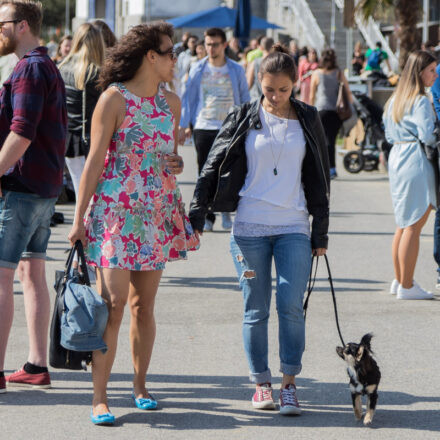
216	97
268	198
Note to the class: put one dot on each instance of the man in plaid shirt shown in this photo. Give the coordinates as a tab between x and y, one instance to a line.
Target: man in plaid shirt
33	124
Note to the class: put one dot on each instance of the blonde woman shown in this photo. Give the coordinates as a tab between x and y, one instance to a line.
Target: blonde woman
80	71
409	121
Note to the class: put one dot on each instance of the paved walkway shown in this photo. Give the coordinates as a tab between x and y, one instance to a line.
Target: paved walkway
199	373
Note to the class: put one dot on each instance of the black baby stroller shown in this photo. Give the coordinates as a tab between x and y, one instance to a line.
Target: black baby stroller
367	157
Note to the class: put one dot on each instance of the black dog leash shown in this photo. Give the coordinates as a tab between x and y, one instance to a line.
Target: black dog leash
311	285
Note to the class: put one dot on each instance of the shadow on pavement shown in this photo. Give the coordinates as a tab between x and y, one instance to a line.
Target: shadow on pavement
217	402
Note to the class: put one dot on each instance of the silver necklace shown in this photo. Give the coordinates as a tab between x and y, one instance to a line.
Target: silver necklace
275	163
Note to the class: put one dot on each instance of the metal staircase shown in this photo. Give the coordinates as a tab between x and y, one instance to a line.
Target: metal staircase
371	32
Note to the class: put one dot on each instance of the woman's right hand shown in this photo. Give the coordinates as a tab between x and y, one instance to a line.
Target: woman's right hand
78	232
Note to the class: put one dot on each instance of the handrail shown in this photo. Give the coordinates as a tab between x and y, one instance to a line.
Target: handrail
370	30
306	20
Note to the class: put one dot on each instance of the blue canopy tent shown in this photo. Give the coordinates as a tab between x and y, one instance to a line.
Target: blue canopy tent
221	17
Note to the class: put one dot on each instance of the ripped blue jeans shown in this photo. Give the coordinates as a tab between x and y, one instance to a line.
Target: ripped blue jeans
252	256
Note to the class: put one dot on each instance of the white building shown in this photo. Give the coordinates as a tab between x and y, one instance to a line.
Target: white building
120	15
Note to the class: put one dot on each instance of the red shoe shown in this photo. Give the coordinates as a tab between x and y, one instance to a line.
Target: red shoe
262	398
289	402
22	379
2	385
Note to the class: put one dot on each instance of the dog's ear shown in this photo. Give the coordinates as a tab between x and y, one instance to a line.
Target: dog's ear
360	352
340	351
366	341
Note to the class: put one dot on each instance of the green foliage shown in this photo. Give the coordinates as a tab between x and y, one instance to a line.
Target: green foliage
369	8
54	12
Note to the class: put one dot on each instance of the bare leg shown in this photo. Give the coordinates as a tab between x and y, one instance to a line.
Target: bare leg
395	253
6	309
113	285
143	289
409	250
287	380
32	274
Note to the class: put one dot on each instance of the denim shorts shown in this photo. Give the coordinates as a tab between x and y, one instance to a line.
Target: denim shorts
24	227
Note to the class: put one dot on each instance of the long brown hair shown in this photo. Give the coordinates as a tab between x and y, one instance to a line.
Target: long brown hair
410	85
125	58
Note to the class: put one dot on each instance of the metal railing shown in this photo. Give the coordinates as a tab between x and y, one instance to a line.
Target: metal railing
305	19
370	30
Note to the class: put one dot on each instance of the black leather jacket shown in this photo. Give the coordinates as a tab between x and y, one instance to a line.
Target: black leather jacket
225	170
74	99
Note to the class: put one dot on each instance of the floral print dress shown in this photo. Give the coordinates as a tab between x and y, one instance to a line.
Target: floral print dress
136	219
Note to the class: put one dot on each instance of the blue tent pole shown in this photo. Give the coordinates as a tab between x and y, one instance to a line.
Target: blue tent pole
243	22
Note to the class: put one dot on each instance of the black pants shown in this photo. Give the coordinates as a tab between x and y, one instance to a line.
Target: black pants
203	140
331	123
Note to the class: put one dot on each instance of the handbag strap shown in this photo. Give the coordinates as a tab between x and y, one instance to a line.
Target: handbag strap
84	96
78	249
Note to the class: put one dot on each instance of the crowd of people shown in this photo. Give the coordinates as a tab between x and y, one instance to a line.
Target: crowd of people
115	112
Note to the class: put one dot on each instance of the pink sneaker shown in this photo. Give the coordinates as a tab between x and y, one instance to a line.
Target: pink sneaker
288	401
262	398
22	379
2	385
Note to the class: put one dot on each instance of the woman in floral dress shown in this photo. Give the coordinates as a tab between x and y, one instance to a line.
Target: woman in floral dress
130	214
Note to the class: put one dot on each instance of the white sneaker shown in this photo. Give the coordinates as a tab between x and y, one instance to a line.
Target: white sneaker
415	292
394	287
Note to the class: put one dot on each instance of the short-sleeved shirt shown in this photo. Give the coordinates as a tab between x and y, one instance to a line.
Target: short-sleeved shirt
33	105
383	56
216	98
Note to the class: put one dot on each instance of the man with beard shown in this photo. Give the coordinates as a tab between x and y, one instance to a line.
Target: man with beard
33	124
215	84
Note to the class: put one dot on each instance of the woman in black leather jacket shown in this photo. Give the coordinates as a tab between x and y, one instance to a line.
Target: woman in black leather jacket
269	162
80	71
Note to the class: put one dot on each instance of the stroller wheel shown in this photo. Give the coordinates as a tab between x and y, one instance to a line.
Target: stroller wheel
354	161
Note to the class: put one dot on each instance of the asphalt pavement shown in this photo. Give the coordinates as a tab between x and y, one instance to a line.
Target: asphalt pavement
198	371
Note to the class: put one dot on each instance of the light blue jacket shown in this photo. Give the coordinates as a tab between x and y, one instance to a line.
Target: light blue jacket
191	96
435	90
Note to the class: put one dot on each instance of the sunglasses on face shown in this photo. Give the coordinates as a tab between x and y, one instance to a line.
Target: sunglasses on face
170	52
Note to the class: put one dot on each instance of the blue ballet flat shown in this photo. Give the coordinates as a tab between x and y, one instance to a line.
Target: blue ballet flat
102	419
145	404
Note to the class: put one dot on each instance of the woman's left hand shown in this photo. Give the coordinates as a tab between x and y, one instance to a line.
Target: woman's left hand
174	163
319	252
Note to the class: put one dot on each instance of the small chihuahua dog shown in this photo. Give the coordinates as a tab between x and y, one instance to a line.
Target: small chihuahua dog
364	375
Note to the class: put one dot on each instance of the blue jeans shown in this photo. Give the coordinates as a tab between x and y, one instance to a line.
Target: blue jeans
24	227
253	260
437	239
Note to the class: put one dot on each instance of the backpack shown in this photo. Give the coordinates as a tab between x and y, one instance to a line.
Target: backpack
375	58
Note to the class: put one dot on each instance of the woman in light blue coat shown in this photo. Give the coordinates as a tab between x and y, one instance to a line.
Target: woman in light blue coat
409	122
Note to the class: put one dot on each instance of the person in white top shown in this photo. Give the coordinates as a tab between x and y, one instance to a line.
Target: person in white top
214	86
271	157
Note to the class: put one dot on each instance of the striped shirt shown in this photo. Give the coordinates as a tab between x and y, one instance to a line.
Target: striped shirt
33	105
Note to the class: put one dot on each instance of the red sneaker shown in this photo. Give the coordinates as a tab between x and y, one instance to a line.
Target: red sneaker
262	398
2	385
22	379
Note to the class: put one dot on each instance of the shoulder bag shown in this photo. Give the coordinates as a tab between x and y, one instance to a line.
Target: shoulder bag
343	107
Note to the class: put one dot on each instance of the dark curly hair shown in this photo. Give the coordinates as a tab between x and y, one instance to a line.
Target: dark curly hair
125	58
